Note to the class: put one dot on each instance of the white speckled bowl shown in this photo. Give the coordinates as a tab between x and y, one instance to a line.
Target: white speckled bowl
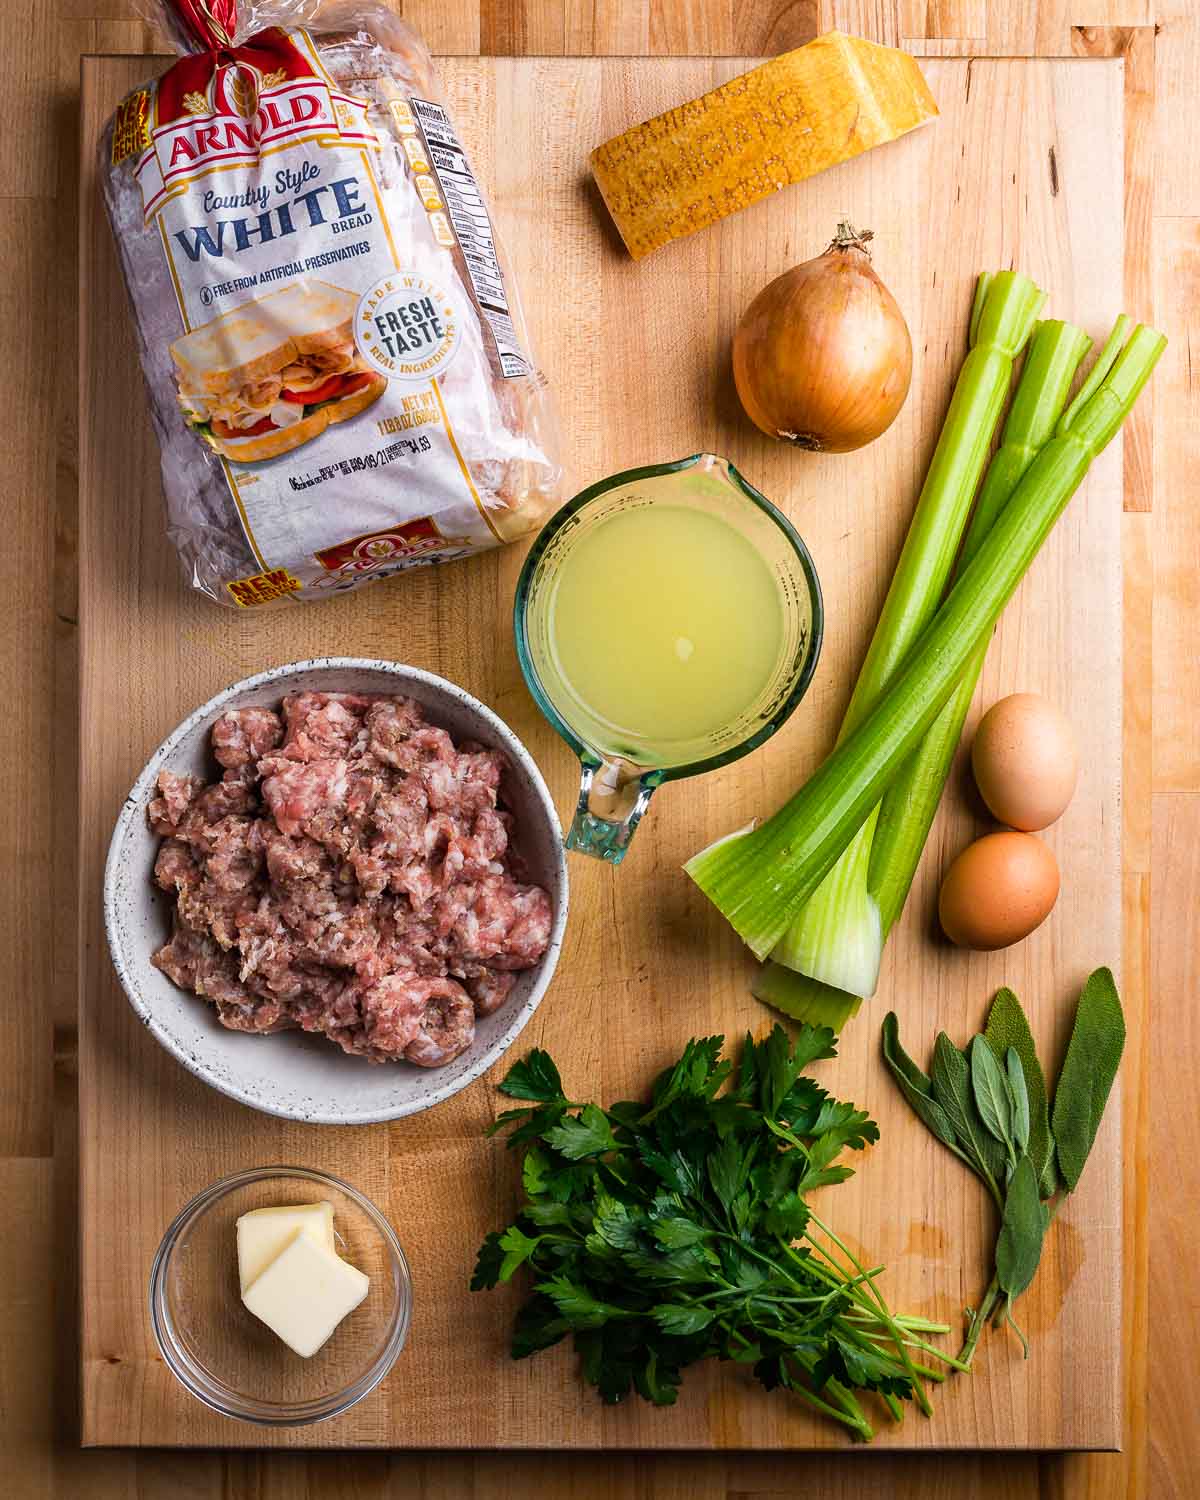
292	1074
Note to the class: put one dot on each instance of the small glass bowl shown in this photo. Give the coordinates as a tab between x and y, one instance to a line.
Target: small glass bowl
227	1358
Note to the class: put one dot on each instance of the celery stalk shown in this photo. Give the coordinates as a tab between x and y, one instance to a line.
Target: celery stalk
907	811
804	999
838	937
761	880
1006	309
900	825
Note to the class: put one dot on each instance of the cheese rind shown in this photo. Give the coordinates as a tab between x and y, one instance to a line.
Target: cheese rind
264	1232
784	121
305	1293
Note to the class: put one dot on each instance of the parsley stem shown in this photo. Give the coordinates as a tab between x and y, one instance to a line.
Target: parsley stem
739	1291
841	1394
847	1410
841	1283
758	1255
921	1325
854	1419
913	1342
919	1394
905	1321
948	1359
927	1372
866	1341
837	1279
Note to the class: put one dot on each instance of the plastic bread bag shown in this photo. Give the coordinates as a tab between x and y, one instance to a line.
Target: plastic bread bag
332	341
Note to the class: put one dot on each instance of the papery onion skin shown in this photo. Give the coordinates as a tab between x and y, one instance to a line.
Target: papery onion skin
822	357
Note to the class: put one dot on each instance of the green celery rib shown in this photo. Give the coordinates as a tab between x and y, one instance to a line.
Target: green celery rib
804	999
1001	323
1105	360
761	880
908	807
906	813
838	937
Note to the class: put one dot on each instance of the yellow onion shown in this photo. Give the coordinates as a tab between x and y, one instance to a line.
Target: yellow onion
822	356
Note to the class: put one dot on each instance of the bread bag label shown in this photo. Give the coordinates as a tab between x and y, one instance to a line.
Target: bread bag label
342	308
456	182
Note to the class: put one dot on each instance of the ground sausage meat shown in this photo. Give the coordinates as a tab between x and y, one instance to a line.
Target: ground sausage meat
350	874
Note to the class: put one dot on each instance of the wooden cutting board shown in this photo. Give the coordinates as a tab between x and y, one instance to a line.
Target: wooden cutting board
1024	168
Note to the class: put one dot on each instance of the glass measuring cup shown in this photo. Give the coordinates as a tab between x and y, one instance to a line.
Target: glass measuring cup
759	669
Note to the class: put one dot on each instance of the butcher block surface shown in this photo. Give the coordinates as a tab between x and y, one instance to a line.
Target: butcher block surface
1024	168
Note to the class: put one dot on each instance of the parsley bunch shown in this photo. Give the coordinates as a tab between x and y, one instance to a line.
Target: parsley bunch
664	1233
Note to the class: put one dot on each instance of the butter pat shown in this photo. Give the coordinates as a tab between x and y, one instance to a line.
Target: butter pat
305	1293
264	1232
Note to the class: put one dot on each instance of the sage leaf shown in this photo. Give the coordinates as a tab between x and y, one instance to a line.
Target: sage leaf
1019	1247
992	1097
1088	1070
995	1156
1020	1099
898	1060
914	1084
1007	1026
952	1089
928	1111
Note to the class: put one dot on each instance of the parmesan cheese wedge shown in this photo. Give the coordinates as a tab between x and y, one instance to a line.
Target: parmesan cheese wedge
786	120
264	1232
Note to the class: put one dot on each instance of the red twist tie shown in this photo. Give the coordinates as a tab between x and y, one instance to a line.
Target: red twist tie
212	23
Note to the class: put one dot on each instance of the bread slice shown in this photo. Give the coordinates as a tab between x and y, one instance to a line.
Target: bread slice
260	338
255	450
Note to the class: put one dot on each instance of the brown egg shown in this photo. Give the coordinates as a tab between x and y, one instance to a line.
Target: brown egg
1025	761
998	890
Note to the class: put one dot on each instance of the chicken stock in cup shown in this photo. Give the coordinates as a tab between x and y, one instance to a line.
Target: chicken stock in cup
668	620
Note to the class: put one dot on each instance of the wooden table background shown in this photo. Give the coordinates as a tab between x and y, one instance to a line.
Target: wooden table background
1160	40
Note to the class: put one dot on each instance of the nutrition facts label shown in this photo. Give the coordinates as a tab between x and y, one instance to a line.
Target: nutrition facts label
473	227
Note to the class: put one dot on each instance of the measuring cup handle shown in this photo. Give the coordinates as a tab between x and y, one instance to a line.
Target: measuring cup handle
607	814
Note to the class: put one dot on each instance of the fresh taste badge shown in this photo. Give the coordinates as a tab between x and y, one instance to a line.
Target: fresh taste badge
407	327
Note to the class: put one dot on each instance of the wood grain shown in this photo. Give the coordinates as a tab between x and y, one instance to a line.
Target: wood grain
26	1410
27	309
1175	1320
54	36
1178	130
643	938
1177	538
